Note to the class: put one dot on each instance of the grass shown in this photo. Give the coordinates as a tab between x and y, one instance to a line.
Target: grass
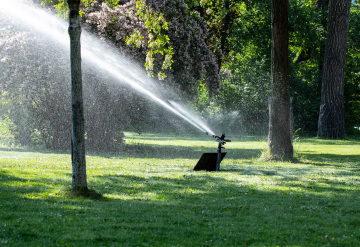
152	197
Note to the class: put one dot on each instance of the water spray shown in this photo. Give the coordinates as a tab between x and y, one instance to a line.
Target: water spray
104	57
208	161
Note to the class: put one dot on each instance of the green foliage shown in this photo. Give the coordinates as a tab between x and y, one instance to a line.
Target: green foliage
164	36
308	27
251	40
352	72
7	128
241	102
246	91
158	43
242	48
62	7
307	43
37	99
310	203
252	34
221	18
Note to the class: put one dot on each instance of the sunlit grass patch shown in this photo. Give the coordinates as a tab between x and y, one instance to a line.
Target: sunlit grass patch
152	197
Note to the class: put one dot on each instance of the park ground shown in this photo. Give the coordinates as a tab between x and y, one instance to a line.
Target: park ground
152	197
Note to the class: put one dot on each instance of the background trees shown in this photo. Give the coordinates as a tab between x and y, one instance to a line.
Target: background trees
192	62
36	95
214	42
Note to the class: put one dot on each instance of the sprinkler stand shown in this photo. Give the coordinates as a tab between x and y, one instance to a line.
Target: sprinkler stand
211	161
218	160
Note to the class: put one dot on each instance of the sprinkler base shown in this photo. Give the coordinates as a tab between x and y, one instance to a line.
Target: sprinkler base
208	162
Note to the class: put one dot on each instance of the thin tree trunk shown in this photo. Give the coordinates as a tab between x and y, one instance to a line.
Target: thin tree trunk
224	34
332	113
279	139
79	181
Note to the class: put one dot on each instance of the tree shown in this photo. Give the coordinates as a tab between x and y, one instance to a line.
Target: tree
332	113
352	75
79	182
220	17
279	139
193	60
38	94
36	83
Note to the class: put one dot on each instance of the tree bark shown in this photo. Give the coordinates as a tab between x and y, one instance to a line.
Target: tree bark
79	181
322	8
332	113
279	139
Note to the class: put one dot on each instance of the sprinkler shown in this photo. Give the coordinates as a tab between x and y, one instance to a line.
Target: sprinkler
211	161
221	139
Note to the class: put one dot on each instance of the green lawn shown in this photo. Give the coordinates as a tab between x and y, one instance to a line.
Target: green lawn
152	197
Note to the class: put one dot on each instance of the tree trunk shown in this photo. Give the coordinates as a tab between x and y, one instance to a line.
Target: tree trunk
279	139
322	7
79	181
332	113
224	34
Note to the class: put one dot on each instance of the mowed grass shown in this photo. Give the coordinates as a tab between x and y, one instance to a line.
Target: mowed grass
152	196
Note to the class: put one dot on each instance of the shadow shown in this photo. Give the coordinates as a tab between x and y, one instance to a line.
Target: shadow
318	141
193	209
34	150
131	136
323	185
316	158
131	148
173	152
5	176
249	169
234	207
156	151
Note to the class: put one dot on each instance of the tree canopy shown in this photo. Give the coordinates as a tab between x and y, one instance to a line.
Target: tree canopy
217	53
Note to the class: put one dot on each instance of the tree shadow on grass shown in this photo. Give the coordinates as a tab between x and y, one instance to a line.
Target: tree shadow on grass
275	170
340	142
325	159
142	150
173	152
199	209
324	185
192	209
250	168
202	137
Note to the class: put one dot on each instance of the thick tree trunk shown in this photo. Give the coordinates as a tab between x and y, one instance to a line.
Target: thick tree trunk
79	181
332	113
322	6
279	140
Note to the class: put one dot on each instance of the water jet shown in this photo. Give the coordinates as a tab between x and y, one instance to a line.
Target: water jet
100	55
